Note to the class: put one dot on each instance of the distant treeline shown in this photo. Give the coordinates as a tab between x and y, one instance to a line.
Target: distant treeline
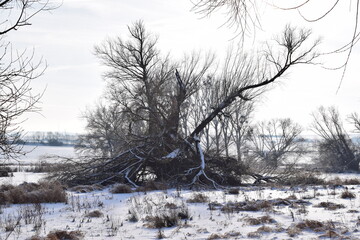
50	139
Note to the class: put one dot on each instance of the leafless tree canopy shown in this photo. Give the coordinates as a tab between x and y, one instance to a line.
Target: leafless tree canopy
337	151
170	110
17	71
274	144
245	17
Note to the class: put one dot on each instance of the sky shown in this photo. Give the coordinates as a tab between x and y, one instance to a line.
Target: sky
66	36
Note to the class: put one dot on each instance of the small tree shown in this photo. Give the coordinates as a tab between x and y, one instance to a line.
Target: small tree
275	147
337	152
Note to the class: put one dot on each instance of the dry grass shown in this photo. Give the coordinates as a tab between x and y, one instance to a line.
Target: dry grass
121	188
94	214
347	194
254	235
251	206
314	225
338	181
259	220
44	192
264	229
198	198
86	188
303	178
293	231
330	205
228	235
60	235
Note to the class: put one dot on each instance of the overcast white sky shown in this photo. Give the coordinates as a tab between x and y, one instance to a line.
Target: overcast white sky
66	38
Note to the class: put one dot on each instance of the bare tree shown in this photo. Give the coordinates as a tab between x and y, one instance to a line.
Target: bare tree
145	88
244	16
275	147
337	152
355	120
17	71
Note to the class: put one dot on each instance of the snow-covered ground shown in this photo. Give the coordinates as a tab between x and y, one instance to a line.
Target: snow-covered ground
253	212
282	209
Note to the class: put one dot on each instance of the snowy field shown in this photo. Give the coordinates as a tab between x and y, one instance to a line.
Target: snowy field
308	212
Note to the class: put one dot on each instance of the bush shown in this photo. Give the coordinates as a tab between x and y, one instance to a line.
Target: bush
45	192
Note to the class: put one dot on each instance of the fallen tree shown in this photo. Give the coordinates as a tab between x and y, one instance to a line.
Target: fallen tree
151	100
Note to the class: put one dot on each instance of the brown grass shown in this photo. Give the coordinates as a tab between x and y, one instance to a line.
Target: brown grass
338	181
264	229
44	192
259	220
347	194
254	235
331	234
86	188
152	186
60	235
312	224
303	178
293	231
121	188
198	198
94	214
251	206
330	205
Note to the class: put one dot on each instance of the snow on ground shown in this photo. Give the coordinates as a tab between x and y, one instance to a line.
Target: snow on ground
205	219
254	212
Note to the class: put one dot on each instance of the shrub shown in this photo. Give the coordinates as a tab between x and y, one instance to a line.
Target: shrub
45	192
121	188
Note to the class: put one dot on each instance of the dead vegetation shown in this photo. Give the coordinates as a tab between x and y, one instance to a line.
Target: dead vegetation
60	235
94	214
330	205
347	194
44	192
247	206
259	220
198	198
